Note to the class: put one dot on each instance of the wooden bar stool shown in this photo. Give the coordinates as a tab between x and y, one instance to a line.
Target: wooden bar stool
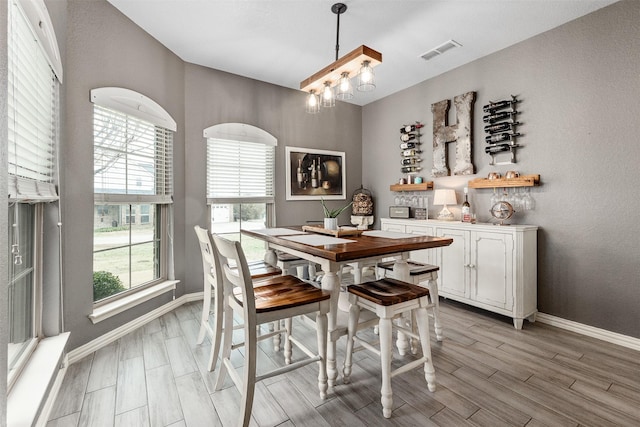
423	275
389	298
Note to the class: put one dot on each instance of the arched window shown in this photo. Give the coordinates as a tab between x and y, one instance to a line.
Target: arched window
240	181
133	189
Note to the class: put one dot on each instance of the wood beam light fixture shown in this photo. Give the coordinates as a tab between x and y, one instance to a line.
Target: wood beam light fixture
334	80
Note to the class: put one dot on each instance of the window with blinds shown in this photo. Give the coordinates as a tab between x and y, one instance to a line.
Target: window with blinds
32	112
132	158
133	175
34	74
239	171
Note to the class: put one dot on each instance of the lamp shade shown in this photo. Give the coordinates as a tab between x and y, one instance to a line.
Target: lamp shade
445	197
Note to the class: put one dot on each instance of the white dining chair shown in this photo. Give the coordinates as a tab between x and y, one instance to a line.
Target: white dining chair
212	290
276	298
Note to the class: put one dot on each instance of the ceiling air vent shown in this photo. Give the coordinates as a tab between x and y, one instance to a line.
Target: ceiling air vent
439	50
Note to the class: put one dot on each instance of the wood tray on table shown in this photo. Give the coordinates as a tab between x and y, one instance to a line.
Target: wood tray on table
335	233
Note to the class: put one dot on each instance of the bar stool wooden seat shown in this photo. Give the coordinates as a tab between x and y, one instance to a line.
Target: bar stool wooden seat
423	275
258	270
390	298
276	298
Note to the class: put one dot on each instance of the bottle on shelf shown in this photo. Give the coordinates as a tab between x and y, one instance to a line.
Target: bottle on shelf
502	115
466	207
410	128
406	145
412	152
410	161
492	139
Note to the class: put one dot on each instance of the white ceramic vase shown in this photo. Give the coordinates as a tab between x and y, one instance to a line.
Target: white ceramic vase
331	223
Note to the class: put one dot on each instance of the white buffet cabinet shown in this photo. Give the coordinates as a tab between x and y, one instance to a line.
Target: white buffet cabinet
488	266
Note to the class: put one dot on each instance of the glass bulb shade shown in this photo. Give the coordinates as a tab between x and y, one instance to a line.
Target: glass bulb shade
313	103
345	89
366	77
328	98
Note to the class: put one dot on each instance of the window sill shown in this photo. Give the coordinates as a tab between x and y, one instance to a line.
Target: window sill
30	391
118	306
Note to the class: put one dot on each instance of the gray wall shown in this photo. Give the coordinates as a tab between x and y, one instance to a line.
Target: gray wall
579	86
104	48
213	97
4	271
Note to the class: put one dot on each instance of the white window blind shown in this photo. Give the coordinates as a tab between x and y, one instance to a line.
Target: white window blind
132	159
33	92
239	171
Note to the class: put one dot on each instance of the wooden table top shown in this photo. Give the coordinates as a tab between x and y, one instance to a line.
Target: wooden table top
362	246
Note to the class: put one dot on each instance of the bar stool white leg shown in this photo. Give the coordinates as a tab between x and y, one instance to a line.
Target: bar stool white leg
354	316
384	329
433	297
423	330
321	328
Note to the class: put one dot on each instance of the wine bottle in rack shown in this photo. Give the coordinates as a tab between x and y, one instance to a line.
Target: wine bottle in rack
412	152
409	169
492	139
495	106
405	137
410	161
406	145
502	115
500	127
410	128
492	149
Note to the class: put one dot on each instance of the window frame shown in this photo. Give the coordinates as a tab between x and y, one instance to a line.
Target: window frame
27	183
238	133
139	107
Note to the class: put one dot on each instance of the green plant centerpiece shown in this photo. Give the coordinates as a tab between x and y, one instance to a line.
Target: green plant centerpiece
331	215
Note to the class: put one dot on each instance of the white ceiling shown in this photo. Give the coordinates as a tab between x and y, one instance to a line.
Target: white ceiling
285	41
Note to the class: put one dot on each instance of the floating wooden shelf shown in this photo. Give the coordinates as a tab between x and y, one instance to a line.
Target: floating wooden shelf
412	187
521	181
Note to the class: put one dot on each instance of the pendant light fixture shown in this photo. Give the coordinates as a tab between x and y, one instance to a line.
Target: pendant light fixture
334	80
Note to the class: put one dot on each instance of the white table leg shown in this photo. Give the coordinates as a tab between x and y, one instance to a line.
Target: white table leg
401	272
331	283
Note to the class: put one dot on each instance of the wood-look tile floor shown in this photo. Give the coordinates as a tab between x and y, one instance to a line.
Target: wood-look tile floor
487	373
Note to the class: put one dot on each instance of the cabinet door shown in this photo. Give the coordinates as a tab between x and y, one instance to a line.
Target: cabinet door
399	228
424	255
492	269
453	261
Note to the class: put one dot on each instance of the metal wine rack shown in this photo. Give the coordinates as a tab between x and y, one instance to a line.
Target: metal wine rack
410	148
501	129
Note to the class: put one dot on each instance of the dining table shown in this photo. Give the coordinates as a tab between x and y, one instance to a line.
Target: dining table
333	251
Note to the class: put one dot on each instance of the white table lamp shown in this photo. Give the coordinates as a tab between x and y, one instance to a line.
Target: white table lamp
445	197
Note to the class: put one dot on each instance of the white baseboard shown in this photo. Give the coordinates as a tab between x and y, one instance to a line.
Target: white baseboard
115	334
590	331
